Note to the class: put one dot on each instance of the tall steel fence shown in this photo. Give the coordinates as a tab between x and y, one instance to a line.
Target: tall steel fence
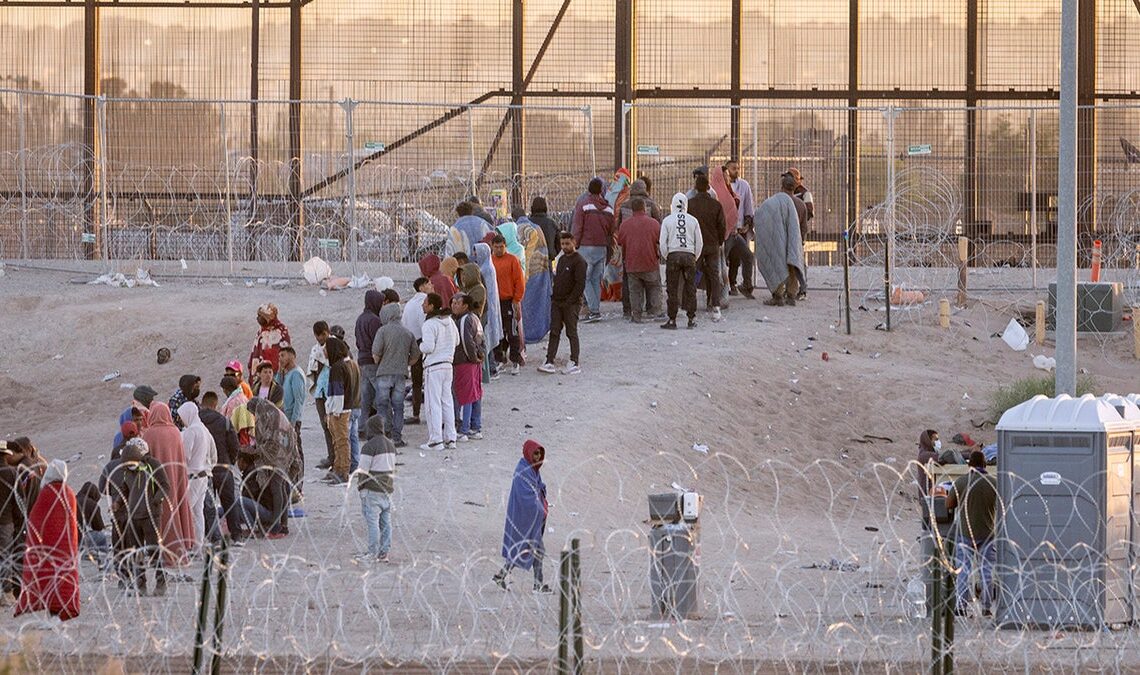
186	179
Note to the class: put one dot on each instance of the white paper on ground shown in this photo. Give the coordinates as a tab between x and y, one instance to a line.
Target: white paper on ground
1015	336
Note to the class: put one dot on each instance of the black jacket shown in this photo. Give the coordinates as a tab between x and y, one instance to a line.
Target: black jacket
569	280
709	213
549	230
225	438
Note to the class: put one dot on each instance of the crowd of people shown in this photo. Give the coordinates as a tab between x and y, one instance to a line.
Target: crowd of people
228	462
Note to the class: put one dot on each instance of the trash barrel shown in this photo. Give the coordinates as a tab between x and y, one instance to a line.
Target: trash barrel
674	567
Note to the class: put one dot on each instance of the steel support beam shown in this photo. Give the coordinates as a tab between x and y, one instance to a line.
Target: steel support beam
518	114
91	140
296	212
970	169
734	111
254	94
852	211
623	81
1086	124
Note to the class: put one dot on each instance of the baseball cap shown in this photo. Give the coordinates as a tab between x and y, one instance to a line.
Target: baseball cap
234	365
794	173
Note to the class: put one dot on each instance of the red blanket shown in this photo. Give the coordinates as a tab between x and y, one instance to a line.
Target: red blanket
51	558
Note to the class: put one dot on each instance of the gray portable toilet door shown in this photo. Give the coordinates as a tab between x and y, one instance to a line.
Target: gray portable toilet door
1118	601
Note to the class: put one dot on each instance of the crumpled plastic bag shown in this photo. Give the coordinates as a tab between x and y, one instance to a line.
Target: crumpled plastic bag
1046	363
362	281
120	280
316	270
1015	336
384	283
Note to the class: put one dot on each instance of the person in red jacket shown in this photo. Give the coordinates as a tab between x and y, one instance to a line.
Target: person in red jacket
512	287
593	232
638	237
271	337
51	554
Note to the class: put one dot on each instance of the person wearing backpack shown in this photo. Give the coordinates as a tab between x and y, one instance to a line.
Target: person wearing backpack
138	486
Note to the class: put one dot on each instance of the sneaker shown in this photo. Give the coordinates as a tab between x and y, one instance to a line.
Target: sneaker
383	558
336	479
462	438
571	369
716	314
411	420
547	368
692	323
671	324
432	446
450	445
544	589
324	464
500	580
364	557
592	317
790	302
495	375
475	435
802	295
514	369
400	444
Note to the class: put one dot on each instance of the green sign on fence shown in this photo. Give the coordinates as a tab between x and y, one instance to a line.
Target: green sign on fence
328	243
648	150
373	145
919	150
87	238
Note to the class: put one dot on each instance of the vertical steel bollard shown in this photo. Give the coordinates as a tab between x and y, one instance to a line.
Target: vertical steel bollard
203	614
220	607
576	594
564	614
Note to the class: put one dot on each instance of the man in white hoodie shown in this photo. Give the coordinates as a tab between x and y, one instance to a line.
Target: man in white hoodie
680	245
440	338
413	319
201	456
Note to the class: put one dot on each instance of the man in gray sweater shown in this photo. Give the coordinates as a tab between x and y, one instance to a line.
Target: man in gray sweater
394	349
376	481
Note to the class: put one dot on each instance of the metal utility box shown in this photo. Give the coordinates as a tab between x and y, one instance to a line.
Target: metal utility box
1100	307
674	554
1066	492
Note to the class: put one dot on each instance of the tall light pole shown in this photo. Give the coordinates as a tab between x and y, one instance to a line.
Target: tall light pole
1066	310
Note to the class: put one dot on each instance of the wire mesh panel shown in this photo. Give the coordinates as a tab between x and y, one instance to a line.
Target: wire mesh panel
794	47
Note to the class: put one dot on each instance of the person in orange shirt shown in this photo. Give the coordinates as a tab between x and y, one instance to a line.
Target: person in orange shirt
512	286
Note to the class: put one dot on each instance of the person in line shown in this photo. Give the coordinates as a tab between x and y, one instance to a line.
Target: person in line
189	386
51	551
708	212
319	383
165	444
221	474
570	279
468	369
536	271
375	486
807	214
344	397
737	249
540	216
272	335
438	347
394	350
23	472
449	267
468	229
593	231
127	431
779	248
201	456
440	283
471	285
292	383
527	510
137	412
235	411
266	387
492	312
413	320
975	523
139	487
275	456
366	326
680	244
512	289
234	370
639	188
639	237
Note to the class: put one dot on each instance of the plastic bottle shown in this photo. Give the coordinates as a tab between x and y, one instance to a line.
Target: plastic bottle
916	598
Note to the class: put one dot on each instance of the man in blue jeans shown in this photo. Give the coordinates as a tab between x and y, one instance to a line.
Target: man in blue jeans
366	326
975	497
378	469
593	227
394	349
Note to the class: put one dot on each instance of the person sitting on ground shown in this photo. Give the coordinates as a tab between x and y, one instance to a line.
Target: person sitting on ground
94	544
274	454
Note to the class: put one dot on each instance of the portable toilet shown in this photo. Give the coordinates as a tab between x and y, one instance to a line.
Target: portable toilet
1066	483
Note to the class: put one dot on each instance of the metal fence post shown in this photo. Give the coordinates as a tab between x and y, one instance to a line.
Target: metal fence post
626	111
101	148
1033	191
349	107
890	114
22	174
229	191
590	139
471	148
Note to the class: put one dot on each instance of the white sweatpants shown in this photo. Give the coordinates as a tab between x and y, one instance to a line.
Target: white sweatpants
440	404
196	493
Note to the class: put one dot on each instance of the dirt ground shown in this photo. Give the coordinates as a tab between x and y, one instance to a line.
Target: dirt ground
806	463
